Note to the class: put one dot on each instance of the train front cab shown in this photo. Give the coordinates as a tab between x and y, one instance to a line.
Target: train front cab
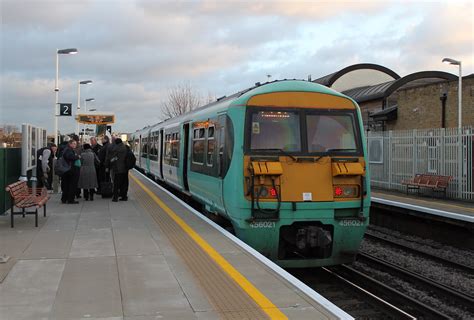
304	178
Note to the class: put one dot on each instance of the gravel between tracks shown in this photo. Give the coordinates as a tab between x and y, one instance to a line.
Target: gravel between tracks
462	256
451	277
415	292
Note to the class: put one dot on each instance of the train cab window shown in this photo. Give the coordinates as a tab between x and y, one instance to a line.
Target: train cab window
275	130
211	146
331	133
198	145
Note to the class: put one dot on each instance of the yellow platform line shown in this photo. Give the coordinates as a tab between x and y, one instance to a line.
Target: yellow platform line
267	306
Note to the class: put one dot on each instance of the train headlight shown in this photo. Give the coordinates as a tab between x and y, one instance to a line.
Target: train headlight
346	191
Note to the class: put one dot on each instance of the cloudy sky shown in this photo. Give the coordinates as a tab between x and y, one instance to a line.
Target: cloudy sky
135	50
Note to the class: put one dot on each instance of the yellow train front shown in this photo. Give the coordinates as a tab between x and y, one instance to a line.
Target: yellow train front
284	162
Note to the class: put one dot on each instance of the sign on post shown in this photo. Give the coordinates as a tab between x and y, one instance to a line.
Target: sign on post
65	109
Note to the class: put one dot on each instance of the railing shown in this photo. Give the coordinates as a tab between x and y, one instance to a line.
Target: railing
398	155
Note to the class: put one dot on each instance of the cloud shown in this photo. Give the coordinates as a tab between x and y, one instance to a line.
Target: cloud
135	50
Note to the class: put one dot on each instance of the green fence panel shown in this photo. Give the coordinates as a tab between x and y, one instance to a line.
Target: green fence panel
10	170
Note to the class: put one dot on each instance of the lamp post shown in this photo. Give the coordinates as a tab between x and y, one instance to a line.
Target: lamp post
56	88
457	63
85	110
460	158
79	99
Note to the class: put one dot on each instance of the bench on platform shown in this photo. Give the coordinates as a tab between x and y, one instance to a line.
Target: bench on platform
24	197
437	183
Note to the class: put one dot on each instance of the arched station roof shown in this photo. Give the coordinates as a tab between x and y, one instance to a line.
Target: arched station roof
357	75
384	90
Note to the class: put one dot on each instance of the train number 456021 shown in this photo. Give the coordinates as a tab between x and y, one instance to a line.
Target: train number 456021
262	224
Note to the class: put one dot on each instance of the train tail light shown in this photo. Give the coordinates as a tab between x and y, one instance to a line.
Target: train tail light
346	191
273	192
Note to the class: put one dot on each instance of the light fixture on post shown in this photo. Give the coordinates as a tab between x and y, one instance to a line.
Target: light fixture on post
56	88
85	111
460	147
79	99
457	63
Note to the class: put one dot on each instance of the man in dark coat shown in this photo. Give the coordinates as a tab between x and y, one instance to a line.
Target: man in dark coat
96	148
69	179
102	154
116	162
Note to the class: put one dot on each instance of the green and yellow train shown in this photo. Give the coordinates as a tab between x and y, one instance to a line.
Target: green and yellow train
285	162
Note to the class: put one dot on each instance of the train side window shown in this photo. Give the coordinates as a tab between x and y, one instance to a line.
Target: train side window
198	146
175	146
211	146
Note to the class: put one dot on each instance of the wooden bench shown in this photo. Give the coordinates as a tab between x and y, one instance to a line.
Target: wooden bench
436	183
23	198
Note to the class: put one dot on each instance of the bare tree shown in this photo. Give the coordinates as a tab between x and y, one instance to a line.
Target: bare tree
182	98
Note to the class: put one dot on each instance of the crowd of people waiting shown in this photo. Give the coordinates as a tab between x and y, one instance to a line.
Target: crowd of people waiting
87	169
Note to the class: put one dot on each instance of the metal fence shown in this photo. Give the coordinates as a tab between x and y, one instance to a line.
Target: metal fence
398	155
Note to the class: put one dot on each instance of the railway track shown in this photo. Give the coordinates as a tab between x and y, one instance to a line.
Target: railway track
442	291
335	284
372	236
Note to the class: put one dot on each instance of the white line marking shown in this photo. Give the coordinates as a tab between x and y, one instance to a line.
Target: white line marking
437	212
341	314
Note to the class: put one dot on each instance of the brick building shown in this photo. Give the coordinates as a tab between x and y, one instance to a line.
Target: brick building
391	102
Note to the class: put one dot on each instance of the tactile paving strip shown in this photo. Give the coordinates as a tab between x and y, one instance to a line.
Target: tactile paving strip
227	297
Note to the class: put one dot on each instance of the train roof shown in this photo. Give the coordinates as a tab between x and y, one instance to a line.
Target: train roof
242	97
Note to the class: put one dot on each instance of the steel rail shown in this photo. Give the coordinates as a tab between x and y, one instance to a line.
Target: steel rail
384	305
402	246
414	277
415	307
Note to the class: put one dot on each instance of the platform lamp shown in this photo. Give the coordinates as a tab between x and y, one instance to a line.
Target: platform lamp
457	63
56	88
79	99
460	158
85	110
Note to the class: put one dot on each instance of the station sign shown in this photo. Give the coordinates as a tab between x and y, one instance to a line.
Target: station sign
65	109
99	119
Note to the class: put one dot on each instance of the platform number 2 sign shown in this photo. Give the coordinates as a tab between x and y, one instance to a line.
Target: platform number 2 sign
65	109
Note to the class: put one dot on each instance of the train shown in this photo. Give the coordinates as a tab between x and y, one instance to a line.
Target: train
285	162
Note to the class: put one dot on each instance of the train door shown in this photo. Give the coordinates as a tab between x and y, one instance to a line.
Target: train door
160	160
185	155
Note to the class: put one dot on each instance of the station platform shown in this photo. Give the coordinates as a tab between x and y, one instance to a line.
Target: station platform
455	210
151	257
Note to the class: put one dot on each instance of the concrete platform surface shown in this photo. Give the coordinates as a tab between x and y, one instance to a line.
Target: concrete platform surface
106	260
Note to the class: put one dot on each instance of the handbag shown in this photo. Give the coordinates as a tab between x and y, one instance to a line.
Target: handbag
61	167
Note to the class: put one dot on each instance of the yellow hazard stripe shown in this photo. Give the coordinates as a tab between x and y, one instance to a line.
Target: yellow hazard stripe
267	306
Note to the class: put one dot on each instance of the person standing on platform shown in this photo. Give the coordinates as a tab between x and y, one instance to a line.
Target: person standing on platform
95	146
44	165
88	176
96	149
116	162
69	179
77	164
102	157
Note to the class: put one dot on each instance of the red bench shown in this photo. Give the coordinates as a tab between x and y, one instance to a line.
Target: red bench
437	183
23	198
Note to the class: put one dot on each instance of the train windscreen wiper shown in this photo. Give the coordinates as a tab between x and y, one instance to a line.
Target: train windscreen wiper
339	150
285	153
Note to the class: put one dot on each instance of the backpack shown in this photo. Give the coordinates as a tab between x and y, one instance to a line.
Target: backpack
130	159
61	167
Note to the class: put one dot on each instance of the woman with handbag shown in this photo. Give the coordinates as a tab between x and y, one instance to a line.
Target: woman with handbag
70	178
88	176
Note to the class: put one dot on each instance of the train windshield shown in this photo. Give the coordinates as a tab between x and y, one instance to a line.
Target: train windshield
303	132
275	130
331	133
